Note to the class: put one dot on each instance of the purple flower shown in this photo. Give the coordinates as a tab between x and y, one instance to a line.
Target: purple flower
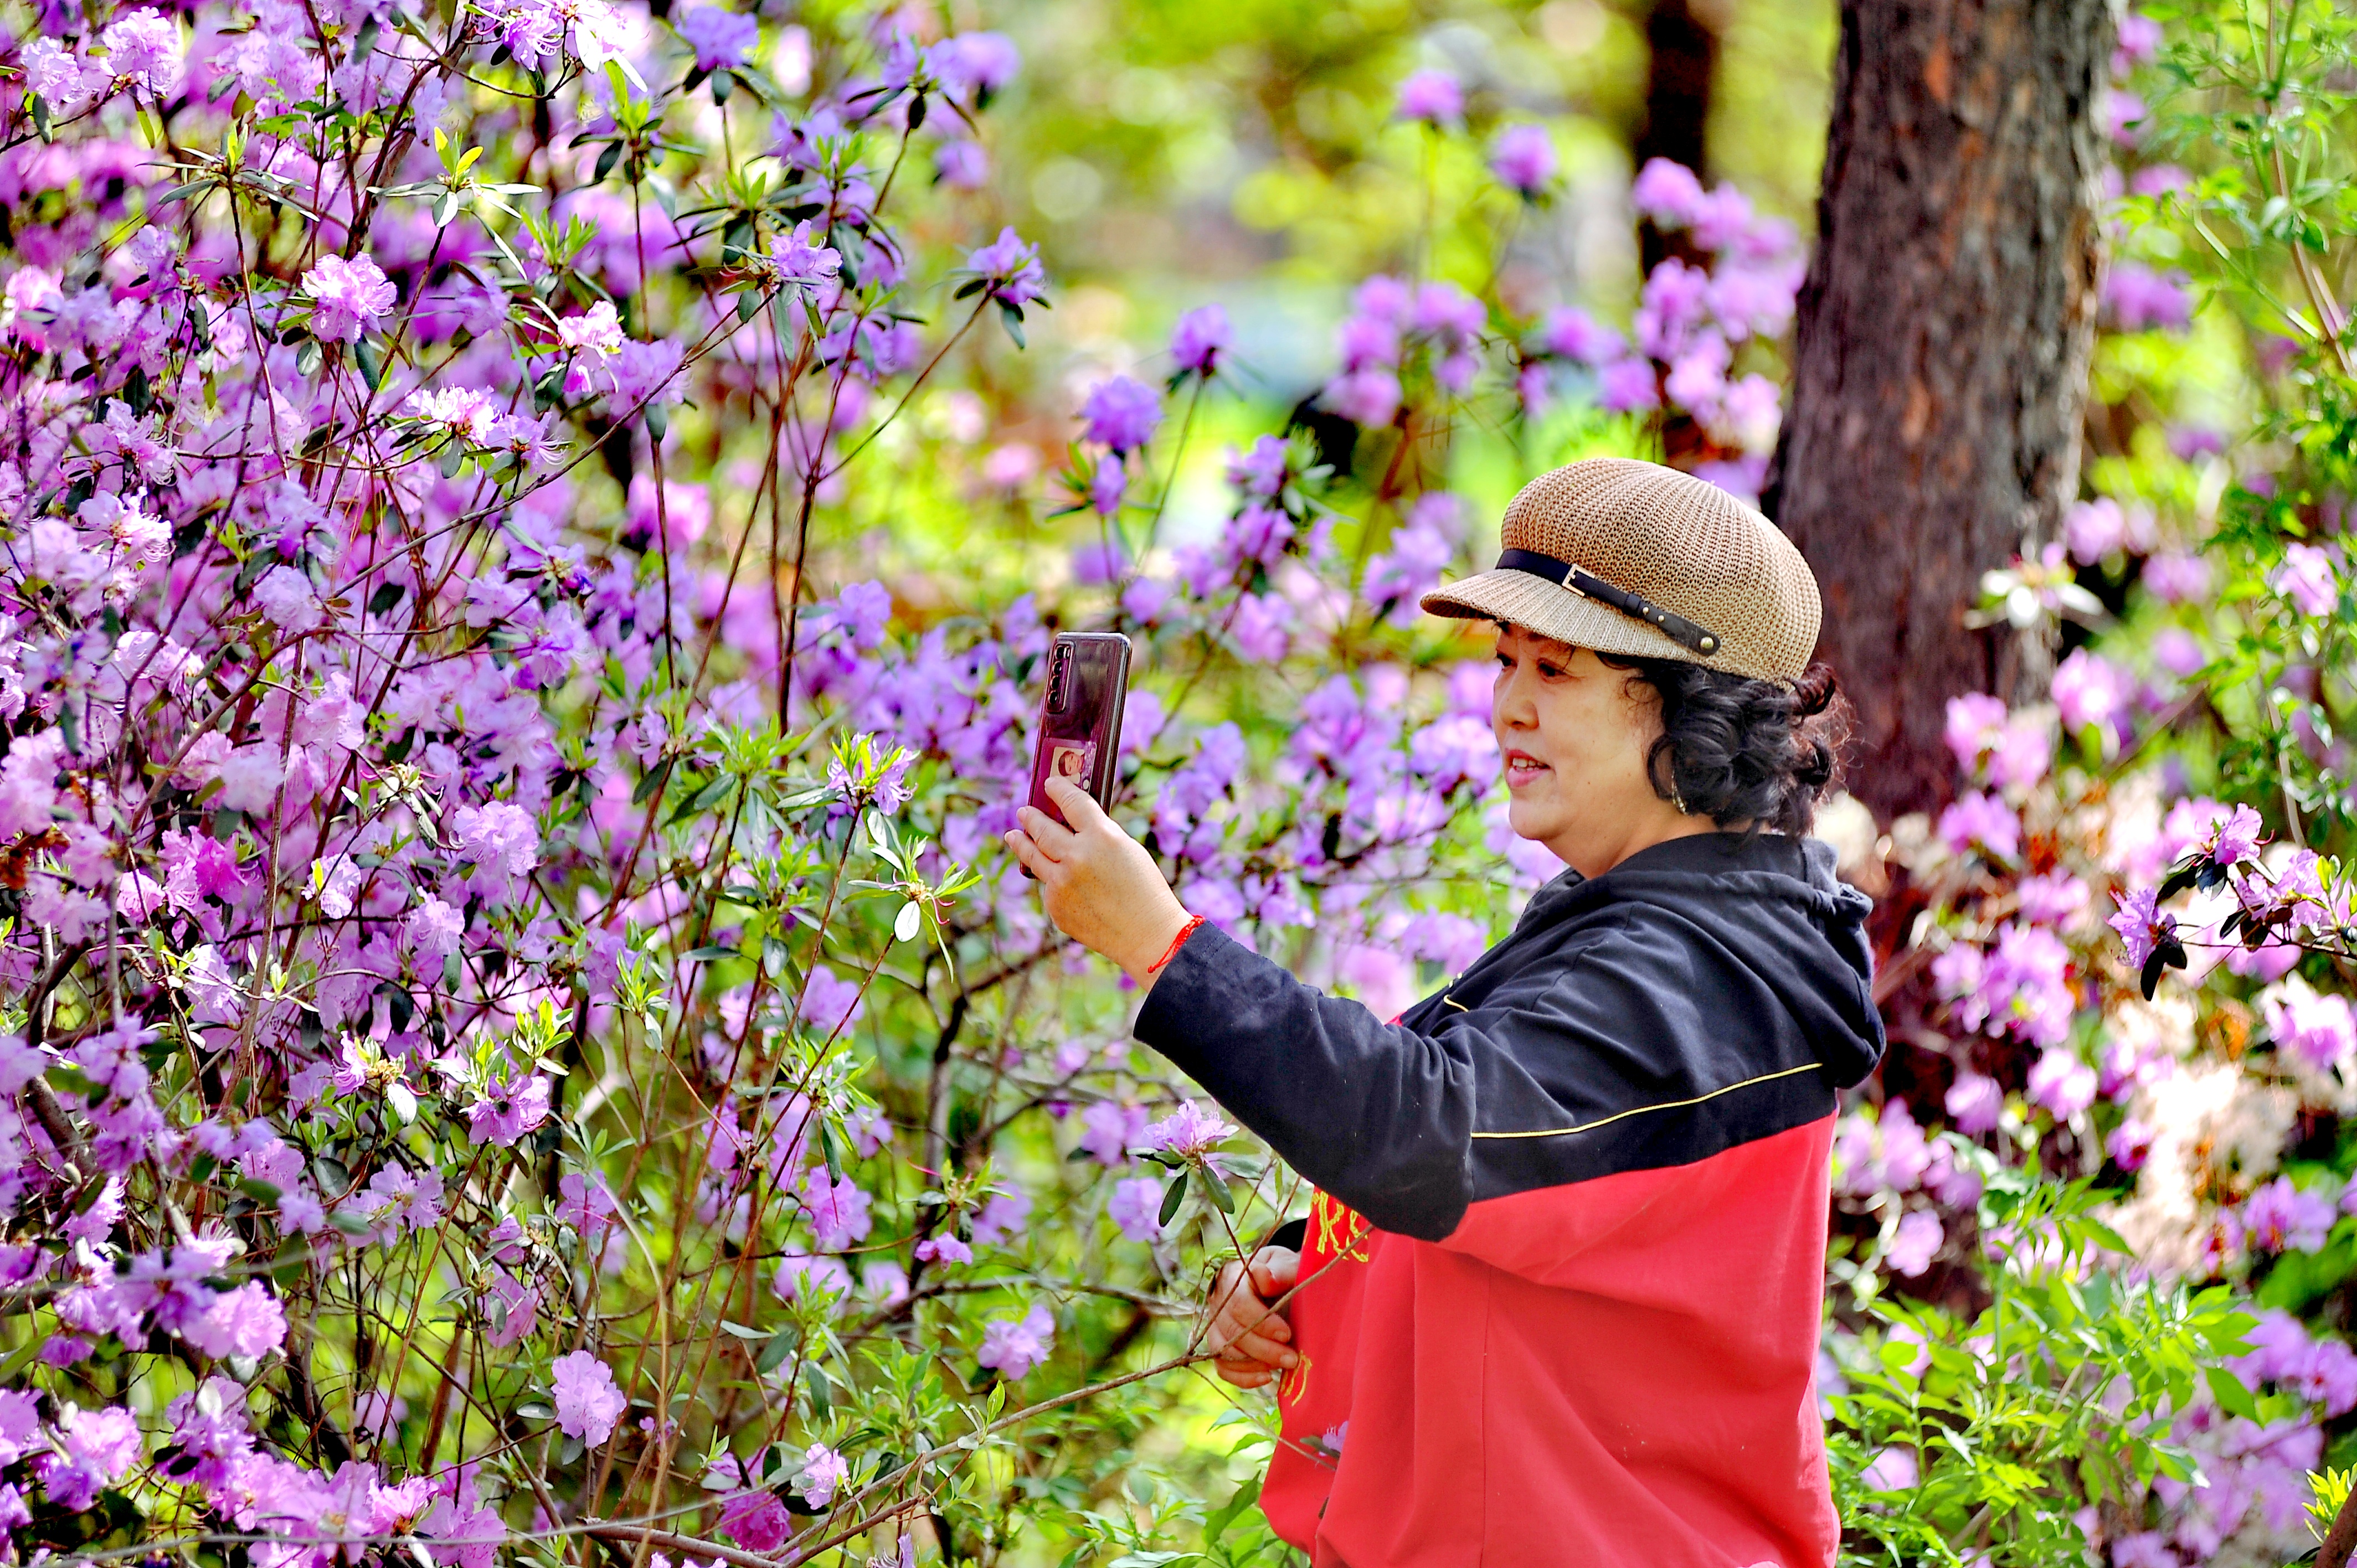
2141	925
2305	578
837	1211
1668	193
1109	1129
1368	397
1524	159
1974	1103
1983	820
247	1321
2176	578
943	1249
1409	569
757	1521
1915	1243
508	1109
1003	1217
824	1474
1190	1132
2280	1217
2089	690
1135	1206
962	164
2054	898
143	51
1432	97
1627	386
2320	1029
1012	1347
1108	484
2234	839
1570	333
799	261
101	1447
2138	298
985	62
831	1003
588	1403
347	296
1202	337
1121	413
722	40
1008	269
2063	1084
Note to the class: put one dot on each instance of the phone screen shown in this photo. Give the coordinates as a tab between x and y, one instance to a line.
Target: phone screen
1079	717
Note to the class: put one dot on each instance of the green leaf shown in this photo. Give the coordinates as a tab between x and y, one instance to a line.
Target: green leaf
1172	1197
1216	1190
1215	1525
2233	1396
822	1393
780	1346
652	781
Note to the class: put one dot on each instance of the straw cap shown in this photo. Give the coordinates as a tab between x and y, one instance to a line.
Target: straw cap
1639	560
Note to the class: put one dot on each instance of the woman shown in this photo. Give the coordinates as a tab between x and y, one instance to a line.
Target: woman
1559	1292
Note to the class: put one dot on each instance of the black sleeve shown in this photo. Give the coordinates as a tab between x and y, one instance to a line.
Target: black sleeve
1293	1236
1380	1116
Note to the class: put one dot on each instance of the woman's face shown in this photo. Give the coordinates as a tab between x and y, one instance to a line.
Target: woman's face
1574	733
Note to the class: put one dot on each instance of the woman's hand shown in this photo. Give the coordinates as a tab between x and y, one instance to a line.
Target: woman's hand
1253	1342
1103	889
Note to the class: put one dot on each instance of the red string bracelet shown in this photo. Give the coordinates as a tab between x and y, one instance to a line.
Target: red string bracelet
1176	943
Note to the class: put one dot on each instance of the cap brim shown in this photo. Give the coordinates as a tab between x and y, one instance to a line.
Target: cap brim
1550	610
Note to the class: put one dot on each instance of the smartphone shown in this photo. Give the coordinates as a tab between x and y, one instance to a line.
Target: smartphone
1079	717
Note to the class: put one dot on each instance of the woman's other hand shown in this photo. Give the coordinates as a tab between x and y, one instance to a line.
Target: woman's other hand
1253	1341
1103	889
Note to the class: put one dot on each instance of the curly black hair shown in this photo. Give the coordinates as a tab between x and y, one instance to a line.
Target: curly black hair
1743	751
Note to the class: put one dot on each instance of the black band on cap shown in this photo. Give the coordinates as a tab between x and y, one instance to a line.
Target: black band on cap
1579	580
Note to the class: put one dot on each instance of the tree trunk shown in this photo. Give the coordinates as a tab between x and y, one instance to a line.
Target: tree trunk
1941	363
1682	67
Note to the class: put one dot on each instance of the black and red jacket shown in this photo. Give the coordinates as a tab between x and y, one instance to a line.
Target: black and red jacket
1565	1269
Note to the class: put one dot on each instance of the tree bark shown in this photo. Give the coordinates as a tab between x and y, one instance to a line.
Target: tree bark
1682	69
1939	367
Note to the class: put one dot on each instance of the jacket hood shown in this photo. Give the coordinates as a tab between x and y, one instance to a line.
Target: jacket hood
1774	902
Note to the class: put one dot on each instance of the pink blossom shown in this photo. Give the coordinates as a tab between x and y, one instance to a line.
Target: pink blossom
722	40
1524	159
1188	1131
837	1211
2320	1029
1135	1206
1121	413
1202	339
943	1249
824	1474
1014	1347
1432	97
247	1321
1916	1240
2063	1084
1668	193
587	1401
2176	578
250	778
1974	1103
346	297
1627	386
1981	820
2307	579
2091	690
1008	269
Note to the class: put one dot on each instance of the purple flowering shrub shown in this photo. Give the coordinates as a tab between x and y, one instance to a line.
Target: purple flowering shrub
518	1037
